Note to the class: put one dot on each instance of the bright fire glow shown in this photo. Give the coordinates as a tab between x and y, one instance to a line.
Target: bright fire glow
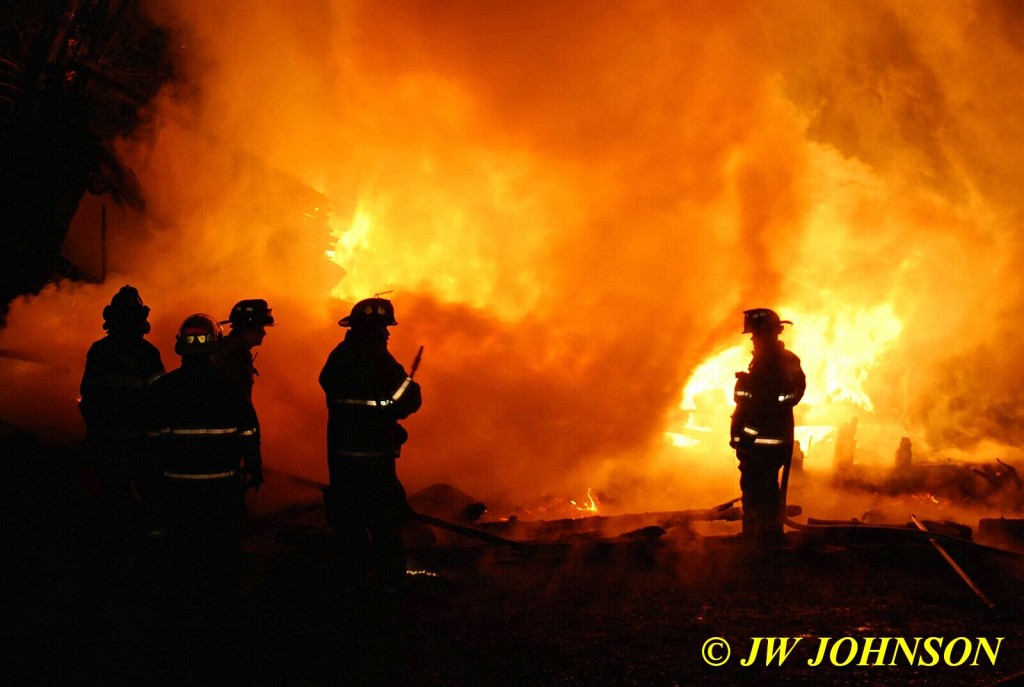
842	349
571	202
838	352
590	506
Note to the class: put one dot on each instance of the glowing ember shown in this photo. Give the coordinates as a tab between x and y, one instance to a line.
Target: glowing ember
556	508
589	506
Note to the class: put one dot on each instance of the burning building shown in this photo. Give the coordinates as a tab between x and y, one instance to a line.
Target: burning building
571	205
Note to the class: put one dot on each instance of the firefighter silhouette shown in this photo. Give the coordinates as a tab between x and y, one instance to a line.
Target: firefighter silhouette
119	371
368	392
249	320
762	424
202	428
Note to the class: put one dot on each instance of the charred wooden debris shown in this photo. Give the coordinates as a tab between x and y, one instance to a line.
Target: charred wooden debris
448	529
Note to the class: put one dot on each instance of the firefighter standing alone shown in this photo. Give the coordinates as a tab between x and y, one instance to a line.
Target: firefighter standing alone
762	424
368	392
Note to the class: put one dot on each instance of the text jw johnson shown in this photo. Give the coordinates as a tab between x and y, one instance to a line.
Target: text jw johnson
877	651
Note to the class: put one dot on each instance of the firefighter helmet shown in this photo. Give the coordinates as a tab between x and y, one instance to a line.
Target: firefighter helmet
126	310
370	312
760	320
199	334
252	314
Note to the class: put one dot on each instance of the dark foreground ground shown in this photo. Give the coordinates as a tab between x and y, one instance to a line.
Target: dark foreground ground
591	613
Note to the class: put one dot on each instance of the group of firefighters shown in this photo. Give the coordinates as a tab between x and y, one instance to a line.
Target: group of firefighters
189	439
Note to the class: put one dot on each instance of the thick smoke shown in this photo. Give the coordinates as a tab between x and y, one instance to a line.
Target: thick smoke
572	203
923	97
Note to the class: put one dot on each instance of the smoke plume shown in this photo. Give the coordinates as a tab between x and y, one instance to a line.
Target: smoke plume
572	203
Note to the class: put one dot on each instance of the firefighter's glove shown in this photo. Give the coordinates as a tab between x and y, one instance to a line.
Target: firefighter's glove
737	437
255	476
737	442
741	440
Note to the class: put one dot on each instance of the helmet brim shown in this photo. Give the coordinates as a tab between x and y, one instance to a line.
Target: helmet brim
748	330
347	321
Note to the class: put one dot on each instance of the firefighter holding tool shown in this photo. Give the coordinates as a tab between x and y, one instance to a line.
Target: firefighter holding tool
368	392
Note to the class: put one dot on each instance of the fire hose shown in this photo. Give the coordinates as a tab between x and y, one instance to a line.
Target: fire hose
421	517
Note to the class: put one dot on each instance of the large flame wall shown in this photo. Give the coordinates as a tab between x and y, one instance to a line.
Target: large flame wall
573	202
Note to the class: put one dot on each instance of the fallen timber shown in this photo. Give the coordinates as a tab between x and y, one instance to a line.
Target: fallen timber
855	532
607	526
464	531
1007	532
515	532
303	536
952	562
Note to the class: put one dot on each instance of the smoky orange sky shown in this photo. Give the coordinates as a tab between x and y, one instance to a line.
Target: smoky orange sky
572	203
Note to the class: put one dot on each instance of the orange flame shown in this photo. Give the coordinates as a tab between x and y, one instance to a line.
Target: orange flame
842	350
573	203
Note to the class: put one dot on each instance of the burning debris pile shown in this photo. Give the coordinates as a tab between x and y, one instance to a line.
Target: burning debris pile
990	485
552	243
571	203
444	501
